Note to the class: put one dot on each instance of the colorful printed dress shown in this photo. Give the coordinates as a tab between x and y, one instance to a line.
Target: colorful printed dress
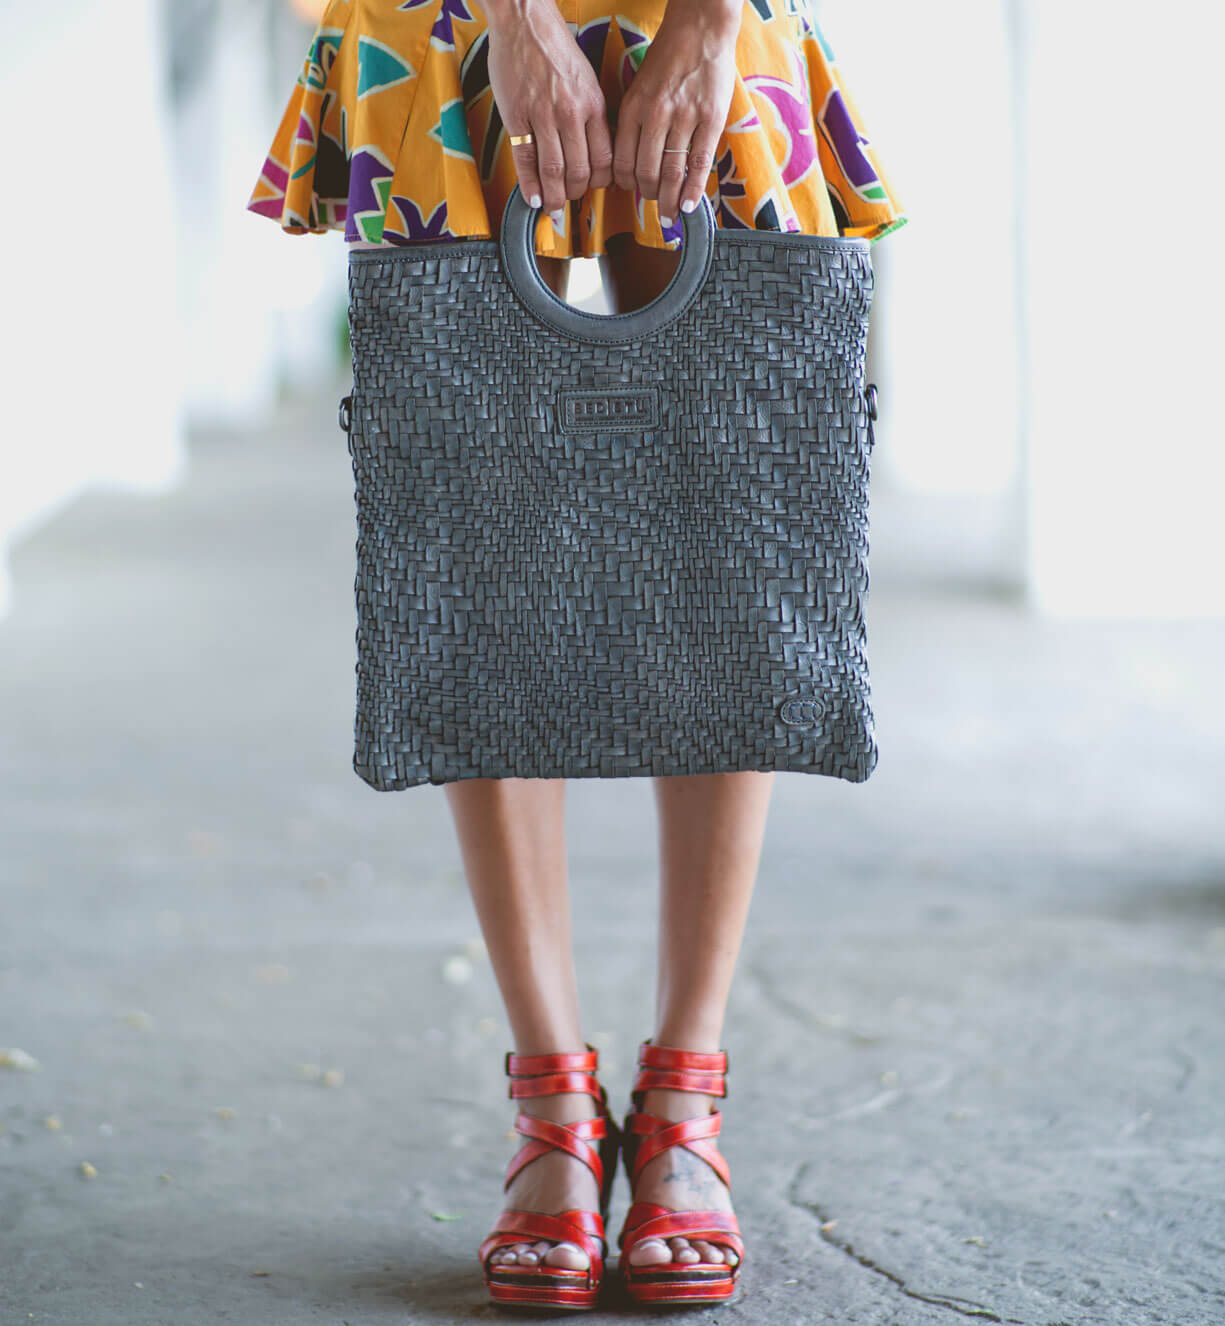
391	132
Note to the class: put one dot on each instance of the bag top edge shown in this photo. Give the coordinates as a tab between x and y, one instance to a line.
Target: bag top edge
446	248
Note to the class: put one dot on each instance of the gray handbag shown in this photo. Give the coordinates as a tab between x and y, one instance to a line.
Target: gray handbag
603	547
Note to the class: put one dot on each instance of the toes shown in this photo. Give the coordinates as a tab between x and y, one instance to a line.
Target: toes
569	1255
653	1252
683	1251
650	1252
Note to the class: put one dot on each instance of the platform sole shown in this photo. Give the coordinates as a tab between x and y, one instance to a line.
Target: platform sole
668	1287
536	1289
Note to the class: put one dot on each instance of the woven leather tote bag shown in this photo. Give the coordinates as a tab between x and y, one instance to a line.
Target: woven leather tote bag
607	546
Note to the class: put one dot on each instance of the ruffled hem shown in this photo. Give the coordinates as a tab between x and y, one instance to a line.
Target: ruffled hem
391	133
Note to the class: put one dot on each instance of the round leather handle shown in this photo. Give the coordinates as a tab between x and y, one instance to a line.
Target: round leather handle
518	248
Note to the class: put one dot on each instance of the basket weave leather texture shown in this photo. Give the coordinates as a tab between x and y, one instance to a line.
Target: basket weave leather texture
610	560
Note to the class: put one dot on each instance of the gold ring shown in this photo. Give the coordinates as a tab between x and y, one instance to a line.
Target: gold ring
683	150
521	140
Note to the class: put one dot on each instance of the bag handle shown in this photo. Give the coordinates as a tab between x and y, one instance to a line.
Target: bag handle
518	250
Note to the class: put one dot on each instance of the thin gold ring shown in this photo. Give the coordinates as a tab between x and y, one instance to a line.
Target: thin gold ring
521	140
683	150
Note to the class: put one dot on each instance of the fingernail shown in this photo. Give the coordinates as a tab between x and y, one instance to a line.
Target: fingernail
534	200
559	219
688	205
666	222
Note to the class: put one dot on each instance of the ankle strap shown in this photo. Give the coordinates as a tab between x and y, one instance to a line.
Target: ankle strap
664	1068
552	1074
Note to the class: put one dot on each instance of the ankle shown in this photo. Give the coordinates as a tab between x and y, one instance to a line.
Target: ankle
693	1037
560	1107
678	1105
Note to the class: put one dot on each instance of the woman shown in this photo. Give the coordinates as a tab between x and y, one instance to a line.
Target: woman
411	122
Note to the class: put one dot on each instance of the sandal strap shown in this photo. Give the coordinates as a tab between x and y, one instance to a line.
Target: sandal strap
587	1060
666	1068
647	1220
585	1228
554	1074
546	1135
534	1075
552	1084
657	1135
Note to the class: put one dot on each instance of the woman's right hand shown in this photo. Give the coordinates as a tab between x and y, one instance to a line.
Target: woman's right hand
544	86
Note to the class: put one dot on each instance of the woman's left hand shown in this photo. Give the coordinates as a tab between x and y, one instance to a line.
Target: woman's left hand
679	98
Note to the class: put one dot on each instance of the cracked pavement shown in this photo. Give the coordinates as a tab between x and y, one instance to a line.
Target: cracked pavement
976	1047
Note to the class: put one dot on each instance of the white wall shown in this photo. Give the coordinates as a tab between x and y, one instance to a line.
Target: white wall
933	83
1055	371
1044	334
1121	213
87	260
142	297
259	306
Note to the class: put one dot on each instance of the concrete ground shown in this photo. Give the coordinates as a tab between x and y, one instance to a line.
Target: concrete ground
976	1046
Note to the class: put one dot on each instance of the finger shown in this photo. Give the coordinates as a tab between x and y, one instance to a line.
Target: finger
625	149
574	149
599	152
701	158
650	153
524	157
551	167
672	169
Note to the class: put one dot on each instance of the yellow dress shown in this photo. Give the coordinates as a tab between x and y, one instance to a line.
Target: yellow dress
391	133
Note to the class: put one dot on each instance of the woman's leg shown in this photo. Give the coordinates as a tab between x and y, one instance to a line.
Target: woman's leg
512	841
511	835
711	831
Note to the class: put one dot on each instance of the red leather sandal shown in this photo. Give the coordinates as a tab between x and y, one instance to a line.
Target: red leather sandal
542	1285
645	1136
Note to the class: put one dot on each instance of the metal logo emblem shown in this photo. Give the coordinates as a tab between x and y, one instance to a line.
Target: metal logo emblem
801	712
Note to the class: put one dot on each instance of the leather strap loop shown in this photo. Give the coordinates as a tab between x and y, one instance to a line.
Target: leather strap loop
553	1084
665	1068
665	1056
519	1065
654	1079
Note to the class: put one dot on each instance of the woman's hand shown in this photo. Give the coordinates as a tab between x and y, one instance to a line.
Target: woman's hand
679	98
544	86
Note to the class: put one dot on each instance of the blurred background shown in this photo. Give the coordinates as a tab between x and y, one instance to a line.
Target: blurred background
1035	342
250	1045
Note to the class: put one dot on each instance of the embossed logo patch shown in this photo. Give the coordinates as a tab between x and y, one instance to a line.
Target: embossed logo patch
612	410
797	712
